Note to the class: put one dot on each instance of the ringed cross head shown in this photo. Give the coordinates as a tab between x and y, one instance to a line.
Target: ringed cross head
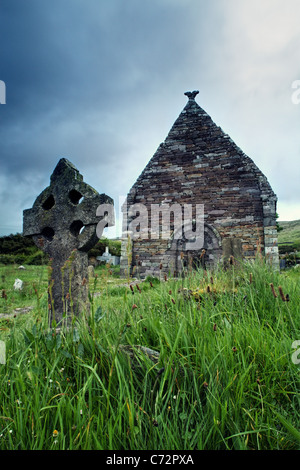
62	223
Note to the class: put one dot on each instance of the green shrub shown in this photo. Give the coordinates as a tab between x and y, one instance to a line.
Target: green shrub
37	258
16	249
7	259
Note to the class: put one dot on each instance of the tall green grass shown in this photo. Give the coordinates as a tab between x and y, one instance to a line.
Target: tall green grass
224	379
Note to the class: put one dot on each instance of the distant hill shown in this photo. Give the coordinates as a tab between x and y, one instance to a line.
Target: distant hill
22	250
289	236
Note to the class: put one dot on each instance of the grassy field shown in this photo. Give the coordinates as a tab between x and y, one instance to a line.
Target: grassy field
226	376
290	231
289	236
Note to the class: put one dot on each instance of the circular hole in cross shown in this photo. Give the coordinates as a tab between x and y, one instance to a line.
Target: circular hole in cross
75	196
77	227
49	203
48	233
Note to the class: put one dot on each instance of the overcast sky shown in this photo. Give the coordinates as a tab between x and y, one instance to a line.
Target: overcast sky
101	82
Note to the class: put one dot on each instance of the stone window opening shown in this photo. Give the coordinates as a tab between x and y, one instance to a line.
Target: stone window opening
49	203
75	197
77	227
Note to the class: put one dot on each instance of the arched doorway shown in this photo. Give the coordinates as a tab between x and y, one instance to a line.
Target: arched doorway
207	256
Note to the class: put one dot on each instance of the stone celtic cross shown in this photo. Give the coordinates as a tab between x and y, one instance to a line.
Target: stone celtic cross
62	223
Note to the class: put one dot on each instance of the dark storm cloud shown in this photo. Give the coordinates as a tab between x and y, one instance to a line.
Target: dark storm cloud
101	83
77	73
75	62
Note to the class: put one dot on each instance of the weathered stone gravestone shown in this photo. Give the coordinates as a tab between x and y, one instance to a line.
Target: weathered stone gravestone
232	248
62	223
18	284
109	258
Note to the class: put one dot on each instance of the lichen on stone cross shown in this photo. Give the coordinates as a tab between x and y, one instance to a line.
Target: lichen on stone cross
62	223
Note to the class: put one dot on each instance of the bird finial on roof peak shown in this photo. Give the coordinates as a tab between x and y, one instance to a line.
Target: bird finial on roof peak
191	94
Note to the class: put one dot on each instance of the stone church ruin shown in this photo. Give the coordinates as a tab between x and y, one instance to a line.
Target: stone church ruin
198	164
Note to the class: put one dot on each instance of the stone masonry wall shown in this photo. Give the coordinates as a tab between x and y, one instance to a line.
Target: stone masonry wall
199	164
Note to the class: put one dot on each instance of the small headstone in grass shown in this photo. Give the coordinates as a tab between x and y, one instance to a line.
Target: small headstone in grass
91	270
62	223
132	353
18	285
232	251
16	312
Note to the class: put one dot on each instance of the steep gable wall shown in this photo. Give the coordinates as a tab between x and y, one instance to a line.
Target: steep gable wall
199	164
